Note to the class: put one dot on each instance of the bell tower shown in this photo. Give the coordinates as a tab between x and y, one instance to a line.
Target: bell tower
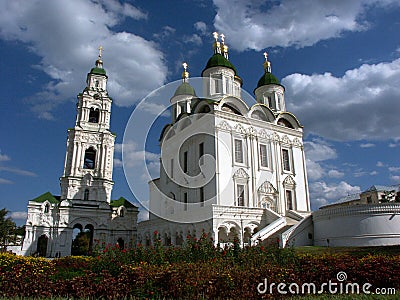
90	146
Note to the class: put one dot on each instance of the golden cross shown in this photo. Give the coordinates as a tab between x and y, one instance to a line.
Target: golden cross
222	37
215	34
185	65
266	56
100	51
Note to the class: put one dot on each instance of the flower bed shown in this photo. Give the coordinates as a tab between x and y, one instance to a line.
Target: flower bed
195	271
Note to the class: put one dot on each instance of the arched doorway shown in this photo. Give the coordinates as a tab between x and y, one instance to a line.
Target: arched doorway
42	245
82	243
247	236
121	243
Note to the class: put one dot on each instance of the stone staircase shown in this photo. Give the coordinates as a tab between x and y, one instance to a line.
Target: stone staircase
273	232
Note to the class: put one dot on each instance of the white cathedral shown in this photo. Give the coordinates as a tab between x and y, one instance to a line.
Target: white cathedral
229	170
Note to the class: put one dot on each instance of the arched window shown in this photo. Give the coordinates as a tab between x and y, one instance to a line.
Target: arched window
121	212
46	208
284	122
90	158
86	195
94	115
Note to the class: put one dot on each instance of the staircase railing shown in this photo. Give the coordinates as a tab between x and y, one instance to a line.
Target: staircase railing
268	230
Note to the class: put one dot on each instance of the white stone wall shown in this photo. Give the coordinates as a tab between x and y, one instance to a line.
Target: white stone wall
359	225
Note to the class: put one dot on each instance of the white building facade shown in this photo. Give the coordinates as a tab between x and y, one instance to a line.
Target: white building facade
85	203
227	169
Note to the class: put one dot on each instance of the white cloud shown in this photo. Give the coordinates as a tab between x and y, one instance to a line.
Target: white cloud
194	39
380	164
19	215
18	171
166	32
335	174
124	9
395	178
351	107
322	193
367	145
319	150
395	143
258	24
5	181
4	157
201	27
117	163
154	108
132	156
65	34
314	170
394	169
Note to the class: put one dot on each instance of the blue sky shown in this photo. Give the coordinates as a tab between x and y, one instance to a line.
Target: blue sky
339	62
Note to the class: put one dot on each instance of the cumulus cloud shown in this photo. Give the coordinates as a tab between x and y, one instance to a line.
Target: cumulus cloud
322	193
380	164
4	157
19	215
367	145
317	151
394	169
133	157
66	35
258	25
335	174
351	107
201	27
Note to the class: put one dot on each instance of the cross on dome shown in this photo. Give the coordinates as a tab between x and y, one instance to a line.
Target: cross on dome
267	64
185	74
222	37
215	35
100	51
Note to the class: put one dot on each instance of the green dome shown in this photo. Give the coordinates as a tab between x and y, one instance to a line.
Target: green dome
185	89
98	71
218	60
268	78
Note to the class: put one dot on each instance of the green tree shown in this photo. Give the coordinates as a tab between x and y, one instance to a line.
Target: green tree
7	228
81	244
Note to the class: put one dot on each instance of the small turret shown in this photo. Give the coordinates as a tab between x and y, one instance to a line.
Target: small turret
269	90
182	99
224	79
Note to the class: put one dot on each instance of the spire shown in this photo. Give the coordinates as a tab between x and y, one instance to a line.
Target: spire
185	73
267	64
99	62
216	45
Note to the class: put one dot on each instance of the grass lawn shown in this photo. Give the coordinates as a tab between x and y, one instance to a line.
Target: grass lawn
355	251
